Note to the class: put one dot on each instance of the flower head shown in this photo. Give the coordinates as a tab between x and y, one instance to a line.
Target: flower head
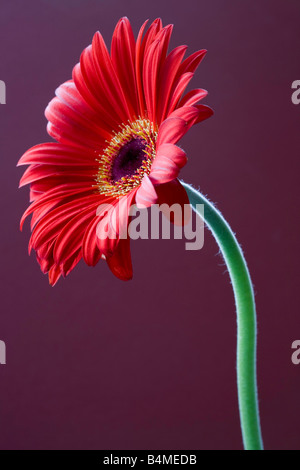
116	125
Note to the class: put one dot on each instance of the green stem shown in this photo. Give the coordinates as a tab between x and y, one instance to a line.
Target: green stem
246	318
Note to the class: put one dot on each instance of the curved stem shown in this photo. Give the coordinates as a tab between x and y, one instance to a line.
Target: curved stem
246	318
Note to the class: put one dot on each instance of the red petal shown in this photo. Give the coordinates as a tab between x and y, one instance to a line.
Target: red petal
191	63
96	81
68	265
114	224
53	153
204	112
174	193
120	262
54	275
46	251
146	194
50	226
66	127
123	59
171	130
45	264
76	108
38	172
111	86
100	78
179	122
70	238
193	97
139	68
168	74
150	71
48	200
90	250
150	36
167	163
179	90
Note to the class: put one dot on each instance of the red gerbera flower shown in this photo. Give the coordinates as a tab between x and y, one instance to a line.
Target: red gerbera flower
116	124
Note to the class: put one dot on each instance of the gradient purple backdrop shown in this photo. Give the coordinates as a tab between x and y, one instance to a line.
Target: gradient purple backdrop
95	363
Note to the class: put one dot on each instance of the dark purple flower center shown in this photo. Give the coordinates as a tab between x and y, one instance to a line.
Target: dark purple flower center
128	159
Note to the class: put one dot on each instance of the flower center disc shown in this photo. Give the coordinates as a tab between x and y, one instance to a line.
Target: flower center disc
127	158
130	157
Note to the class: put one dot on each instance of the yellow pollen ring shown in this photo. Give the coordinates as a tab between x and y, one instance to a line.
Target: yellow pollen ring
142	129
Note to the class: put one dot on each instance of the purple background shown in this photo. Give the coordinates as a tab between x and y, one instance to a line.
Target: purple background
95	363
